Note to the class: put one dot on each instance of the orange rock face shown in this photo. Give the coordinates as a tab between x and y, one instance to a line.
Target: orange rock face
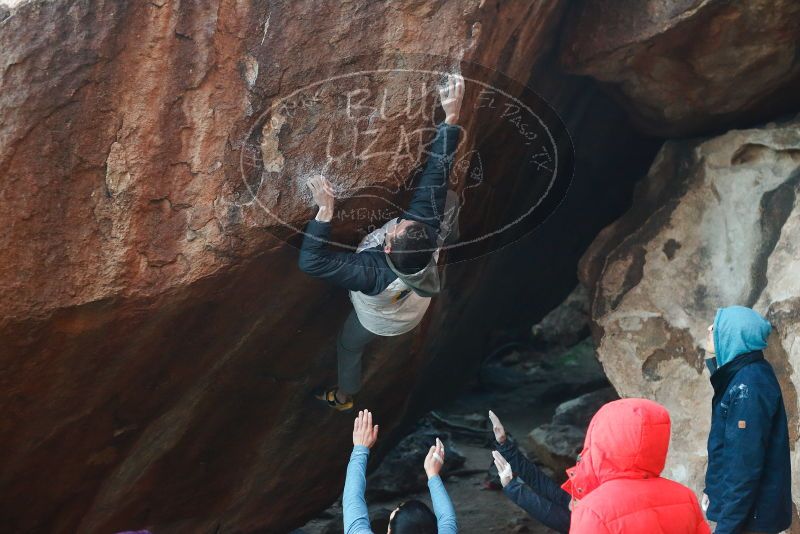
158	344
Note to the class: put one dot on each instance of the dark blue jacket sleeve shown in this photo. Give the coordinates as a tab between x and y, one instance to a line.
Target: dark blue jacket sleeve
747	430
427	203
715	444
546	512
532	475
354	271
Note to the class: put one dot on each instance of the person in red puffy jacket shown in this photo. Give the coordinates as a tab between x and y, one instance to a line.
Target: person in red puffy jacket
617	486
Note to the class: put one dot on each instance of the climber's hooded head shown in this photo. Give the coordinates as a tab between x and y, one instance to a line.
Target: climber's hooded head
737	330
627	438
409	249
409	244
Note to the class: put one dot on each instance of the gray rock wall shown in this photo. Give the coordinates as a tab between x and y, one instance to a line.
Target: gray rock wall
715	223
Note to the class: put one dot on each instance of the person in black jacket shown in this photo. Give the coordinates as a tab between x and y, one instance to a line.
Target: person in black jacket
748	480
527	486
393	274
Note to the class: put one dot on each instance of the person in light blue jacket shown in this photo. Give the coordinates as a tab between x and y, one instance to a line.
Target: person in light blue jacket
410	516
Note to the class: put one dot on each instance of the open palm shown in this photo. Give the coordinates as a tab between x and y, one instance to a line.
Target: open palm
364	433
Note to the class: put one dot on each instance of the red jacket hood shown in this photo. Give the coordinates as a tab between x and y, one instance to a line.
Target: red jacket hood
627	438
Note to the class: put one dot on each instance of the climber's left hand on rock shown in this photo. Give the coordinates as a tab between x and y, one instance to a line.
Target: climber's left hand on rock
322	193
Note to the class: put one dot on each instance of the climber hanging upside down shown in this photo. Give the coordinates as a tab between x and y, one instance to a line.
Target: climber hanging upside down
393	274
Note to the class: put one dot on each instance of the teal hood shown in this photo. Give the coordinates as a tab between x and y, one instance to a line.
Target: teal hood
738	330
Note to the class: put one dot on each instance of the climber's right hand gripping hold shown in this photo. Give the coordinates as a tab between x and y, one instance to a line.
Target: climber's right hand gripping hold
451	96
322	193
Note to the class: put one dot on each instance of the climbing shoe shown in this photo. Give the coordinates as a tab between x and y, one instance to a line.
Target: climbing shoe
328	396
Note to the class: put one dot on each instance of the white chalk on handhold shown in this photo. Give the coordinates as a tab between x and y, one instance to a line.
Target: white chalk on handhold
250	71
266	27
506	472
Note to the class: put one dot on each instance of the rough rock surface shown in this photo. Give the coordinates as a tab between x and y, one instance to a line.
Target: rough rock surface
579	411
715	223
690	66
556	446
158	343
567	324
557	443
158	346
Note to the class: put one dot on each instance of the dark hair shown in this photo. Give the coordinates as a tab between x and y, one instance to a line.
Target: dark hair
413	517
412	248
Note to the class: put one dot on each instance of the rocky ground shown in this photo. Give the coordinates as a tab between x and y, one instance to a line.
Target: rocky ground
544	390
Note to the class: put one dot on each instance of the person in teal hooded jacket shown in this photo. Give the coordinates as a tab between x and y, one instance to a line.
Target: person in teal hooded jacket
748	480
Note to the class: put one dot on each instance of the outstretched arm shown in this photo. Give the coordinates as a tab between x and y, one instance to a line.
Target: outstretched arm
527	470
354	507
356	272
532	475
442	506
427	204
546	512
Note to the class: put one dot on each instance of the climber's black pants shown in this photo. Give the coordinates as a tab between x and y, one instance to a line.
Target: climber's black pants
352	339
